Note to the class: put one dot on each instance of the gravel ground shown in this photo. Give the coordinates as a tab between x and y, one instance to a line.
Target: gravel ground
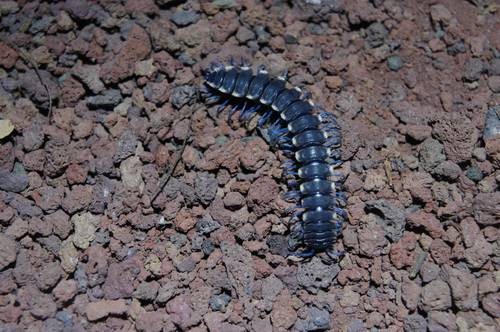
86	246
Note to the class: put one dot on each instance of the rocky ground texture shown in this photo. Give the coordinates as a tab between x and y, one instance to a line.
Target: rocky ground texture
86	246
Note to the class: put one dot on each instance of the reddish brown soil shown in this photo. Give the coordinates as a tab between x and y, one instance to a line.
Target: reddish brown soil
85	247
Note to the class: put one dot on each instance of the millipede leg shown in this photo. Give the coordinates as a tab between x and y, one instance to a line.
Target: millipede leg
292	196
299	255
231	113
222	106
264	118
335	255
284	75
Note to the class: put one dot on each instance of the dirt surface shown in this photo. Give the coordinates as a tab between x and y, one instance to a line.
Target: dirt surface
85	247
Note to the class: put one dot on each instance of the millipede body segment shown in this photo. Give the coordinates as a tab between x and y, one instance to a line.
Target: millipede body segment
308	136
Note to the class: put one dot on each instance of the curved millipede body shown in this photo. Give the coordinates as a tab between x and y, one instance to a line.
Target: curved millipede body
311	138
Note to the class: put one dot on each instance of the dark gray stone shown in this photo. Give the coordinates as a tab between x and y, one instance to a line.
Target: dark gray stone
126	146
239	267
244	34
186	59
183	95
219	302
82	281
474	173
356	325
52	325
315	275
65	317
447	170
390	217
263	36
439	321
167	291
317	320
68	59
15	181
376	35
34	89
10	84
52	243
492	123
102	237
473	69
184	18
146	291
207	224
41	24
207	247
78	8
205	187
33	137
457	48
25	207
110	98
431	154
178	239
494	67
278	244
429	271
415	323
197	242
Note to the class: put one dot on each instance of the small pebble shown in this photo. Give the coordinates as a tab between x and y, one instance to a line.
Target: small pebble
492	123
494	67
479	154
457	48
263	36
376	35
494	83
110	98
178	239
473	69
244	34
184	18
474	173
182	95
318	320
207	247
394	62
66	317
290	39
207	225
219	302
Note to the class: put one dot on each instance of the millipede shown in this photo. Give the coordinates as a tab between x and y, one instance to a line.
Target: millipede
309	137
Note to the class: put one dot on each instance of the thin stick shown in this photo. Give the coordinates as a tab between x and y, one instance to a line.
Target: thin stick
417	265
388	171
26	57
166	177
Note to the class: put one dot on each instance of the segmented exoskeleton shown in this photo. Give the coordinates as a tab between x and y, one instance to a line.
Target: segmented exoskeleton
308	135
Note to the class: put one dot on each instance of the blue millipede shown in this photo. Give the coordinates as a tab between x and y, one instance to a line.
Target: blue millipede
308	135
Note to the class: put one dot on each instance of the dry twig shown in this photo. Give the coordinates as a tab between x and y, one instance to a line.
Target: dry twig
166	177
27	58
